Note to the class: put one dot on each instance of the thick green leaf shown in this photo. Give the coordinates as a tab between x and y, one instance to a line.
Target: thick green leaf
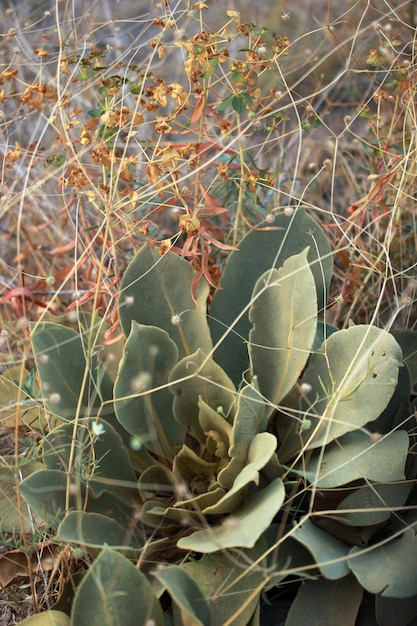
285	557
329	553
397	411
323	331
190	608
113	504
114	592
355	456
398	611
97	453
373	504
255	620
326	603
49	618
157	288
244	527
408	342
216	428
148	357
261	449
351	381
92	530
390	568
12	514
153	515
193	472
203	500
160	516
231	588
156	480
261	250
198	376
30	415
45	492
284	318
250	419
65	372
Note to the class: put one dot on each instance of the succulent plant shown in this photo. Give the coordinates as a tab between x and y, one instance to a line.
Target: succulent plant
233	448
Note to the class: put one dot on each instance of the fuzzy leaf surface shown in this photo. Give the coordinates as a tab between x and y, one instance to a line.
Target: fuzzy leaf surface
329	553
60	356
45	492
194	377
154	481
261	449
244	527
373	504
284	318
92	530
389	569
190	606
148	357
352	380
48	618
156	288
113	592
260	250
110	460
324	602
250	419
231	596
355	456
10	516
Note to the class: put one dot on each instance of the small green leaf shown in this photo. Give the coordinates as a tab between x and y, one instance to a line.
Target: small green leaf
103	454
65	373
225	103
154	481
217	429
11	513
96	112
238	104
190	469
45	492
201	501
